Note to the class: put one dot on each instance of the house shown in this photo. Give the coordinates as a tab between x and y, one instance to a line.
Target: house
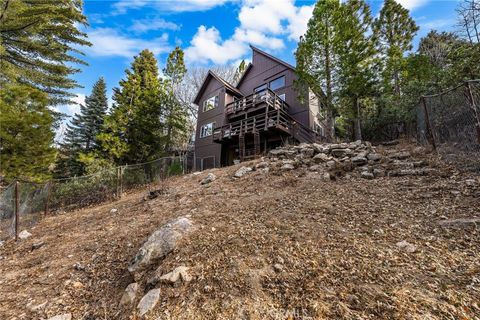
260	113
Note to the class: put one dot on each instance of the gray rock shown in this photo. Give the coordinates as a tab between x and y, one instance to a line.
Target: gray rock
400	155
340	153
287	166
377	172
261	165
359	160
209	178
408	247
331	164
320	148
374	156
326	176
278	267
148	302
24	235
65	316
321	157
177	274
314	168
242	171
130	294
277	152
307	152
367	175
460	223
161	242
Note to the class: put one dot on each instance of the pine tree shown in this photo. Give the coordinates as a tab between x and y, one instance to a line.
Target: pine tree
316	57
39	42
81	133
134	131
394	31
176	114
356	54
26	138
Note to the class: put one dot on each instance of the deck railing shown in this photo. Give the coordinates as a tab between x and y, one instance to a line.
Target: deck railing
266	96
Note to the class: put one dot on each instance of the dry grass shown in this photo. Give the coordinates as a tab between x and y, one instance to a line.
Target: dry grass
335	240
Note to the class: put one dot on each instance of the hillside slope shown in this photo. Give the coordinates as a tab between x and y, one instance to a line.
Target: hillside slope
269	245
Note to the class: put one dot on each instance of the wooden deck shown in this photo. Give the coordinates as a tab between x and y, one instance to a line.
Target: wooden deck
266	98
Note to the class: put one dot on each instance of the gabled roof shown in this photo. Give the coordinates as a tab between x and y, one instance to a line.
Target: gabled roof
289	66
207	79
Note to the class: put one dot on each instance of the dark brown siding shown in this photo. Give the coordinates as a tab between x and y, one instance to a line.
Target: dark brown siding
263	71
205	147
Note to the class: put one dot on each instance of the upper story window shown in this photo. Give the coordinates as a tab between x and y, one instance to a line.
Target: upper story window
261	88
206	130
210	103
277	83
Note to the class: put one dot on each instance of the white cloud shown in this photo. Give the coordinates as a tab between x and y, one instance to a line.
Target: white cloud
262	23
412	4
79	99
144	25
109	42
122	6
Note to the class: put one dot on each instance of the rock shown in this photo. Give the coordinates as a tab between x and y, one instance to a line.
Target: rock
24	235
37	245
130	294
378	173
242	171
471	182
161	242
408	247
277	152
331	165
208	289
261	165
65	316
321	157
209	178
318	148
314	168
367	175
37	307
114	210
287	166
374	156
196	173
326	176
177	274
307	152
278	267
78	266
359	160
460	223
148	302
340	153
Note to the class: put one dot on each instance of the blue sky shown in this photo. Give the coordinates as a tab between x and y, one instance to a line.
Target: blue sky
210	31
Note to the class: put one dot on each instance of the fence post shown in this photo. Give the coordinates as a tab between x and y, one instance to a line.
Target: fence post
17	208
431	138
475	109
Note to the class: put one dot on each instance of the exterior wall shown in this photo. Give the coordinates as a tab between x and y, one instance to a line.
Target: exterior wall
264	70
206	147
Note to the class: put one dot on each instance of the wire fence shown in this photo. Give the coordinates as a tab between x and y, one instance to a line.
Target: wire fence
450	123
23	204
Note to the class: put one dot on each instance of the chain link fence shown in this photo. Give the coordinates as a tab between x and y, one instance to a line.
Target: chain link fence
22	203
450	123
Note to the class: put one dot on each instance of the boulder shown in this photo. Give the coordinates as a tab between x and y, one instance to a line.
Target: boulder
408	247
460	223
315	167
321	157
161	242
340	153
277	152
261	165
359	160
209	178
177	274
307	152
287	166
130	294
367	175
242	171
377	172
24	235
65	316
148	302
400	155
374	157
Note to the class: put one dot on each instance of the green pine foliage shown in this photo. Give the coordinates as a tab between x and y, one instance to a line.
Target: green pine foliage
26	138
39	42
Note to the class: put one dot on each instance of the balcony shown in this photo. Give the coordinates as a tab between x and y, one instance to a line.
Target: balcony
255	101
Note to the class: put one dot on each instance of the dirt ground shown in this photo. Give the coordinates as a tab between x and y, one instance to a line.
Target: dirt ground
335	242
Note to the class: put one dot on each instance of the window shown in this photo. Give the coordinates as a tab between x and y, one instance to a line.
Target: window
261	88
282	96
206	130
210	103
277	83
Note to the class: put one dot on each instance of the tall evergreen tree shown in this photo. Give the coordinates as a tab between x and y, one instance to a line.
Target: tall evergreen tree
26	138
316	57
394	31
134	131
82	131
38	42
356	54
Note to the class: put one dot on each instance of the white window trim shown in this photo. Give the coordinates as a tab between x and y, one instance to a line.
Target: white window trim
205	125
215	104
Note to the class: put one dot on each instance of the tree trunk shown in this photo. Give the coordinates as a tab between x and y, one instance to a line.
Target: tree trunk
356	121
